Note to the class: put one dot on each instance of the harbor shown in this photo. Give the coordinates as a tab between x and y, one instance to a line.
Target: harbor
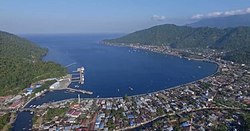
112	80
76	77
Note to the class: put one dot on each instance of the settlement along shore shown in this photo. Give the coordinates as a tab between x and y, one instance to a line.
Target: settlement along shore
228	86
129	112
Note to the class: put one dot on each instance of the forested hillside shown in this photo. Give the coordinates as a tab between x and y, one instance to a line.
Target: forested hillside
240	55
188	37
21	64
235	41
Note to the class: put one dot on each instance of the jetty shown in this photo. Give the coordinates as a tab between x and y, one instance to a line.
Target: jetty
79	79
80	90
71	64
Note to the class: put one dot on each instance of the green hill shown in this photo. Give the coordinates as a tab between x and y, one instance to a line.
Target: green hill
240	55
21	64
232	40
188	37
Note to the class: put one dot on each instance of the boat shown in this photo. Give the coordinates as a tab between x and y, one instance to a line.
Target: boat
118	90
199	67
130	88
76	86
31	112
67	91
71	91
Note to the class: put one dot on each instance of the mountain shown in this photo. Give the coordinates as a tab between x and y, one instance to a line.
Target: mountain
189	37
223	22
240	55
232	40
21	64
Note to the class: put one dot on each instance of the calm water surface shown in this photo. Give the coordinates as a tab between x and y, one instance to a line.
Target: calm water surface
113	71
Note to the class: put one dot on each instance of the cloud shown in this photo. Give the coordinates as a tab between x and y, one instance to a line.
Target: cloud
220	14
198	16
215	14
248	10
158	18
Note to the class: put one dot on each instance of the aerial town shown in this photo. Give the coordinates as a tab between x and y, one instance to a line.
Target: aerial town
220	101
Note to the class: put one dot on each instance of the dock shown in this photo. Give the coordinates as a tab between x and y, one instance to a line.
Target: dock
81	91
79	79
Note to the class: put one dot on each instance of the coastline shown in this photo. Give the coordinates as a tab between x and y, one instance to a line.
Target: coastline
155	92
173	87
167	88
152	93
154	96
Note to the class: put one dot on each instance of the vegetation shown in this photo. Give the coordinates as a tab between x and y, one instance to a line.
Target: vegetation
21	64
34	119
52	113
247	120
235	41
44	86
188	37
4	120
240	55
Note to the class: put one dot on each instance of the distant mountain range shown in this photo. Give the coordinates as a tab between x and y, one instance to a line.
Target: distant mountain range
228	39
223	22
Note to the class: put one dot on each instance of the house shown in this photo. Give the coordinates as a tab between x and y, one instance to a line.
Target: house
16	104
38	85
28	91
73	113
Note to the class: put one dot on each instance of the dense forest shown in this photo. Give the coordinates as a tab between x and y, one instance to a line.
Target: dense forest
21	64
240	55
232	40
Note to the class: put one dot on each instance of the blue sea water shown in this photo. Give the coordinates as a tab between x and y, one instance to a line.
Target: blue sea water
112	71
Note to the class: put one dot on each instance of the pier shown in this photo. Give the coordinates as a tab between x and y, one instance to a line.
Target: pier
70	64
81	91
79	79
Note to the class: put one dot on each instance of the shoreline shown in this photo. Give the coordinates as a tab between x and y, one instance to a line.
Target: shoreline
173	87
166	89
154	92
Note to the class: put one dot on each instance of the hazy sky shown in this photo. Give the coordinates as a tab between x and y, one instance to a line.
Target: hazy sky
108	16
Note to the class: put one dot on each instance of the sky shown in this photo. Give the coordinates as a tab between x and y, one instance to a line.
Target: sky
108	16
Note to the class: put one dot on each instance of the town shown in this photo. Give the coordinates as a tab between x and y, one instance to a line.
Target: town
220	101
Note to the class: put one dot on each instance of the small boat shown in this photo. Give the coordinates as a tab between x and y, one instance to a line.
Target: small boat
71	91
67	91
118	90
76	86
131	88
97	97
199	67
31	112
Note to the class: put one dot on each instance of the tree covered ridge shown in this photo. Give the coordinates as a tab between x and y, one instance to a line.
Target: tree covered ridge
232	40
13	46
189	37
21	64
